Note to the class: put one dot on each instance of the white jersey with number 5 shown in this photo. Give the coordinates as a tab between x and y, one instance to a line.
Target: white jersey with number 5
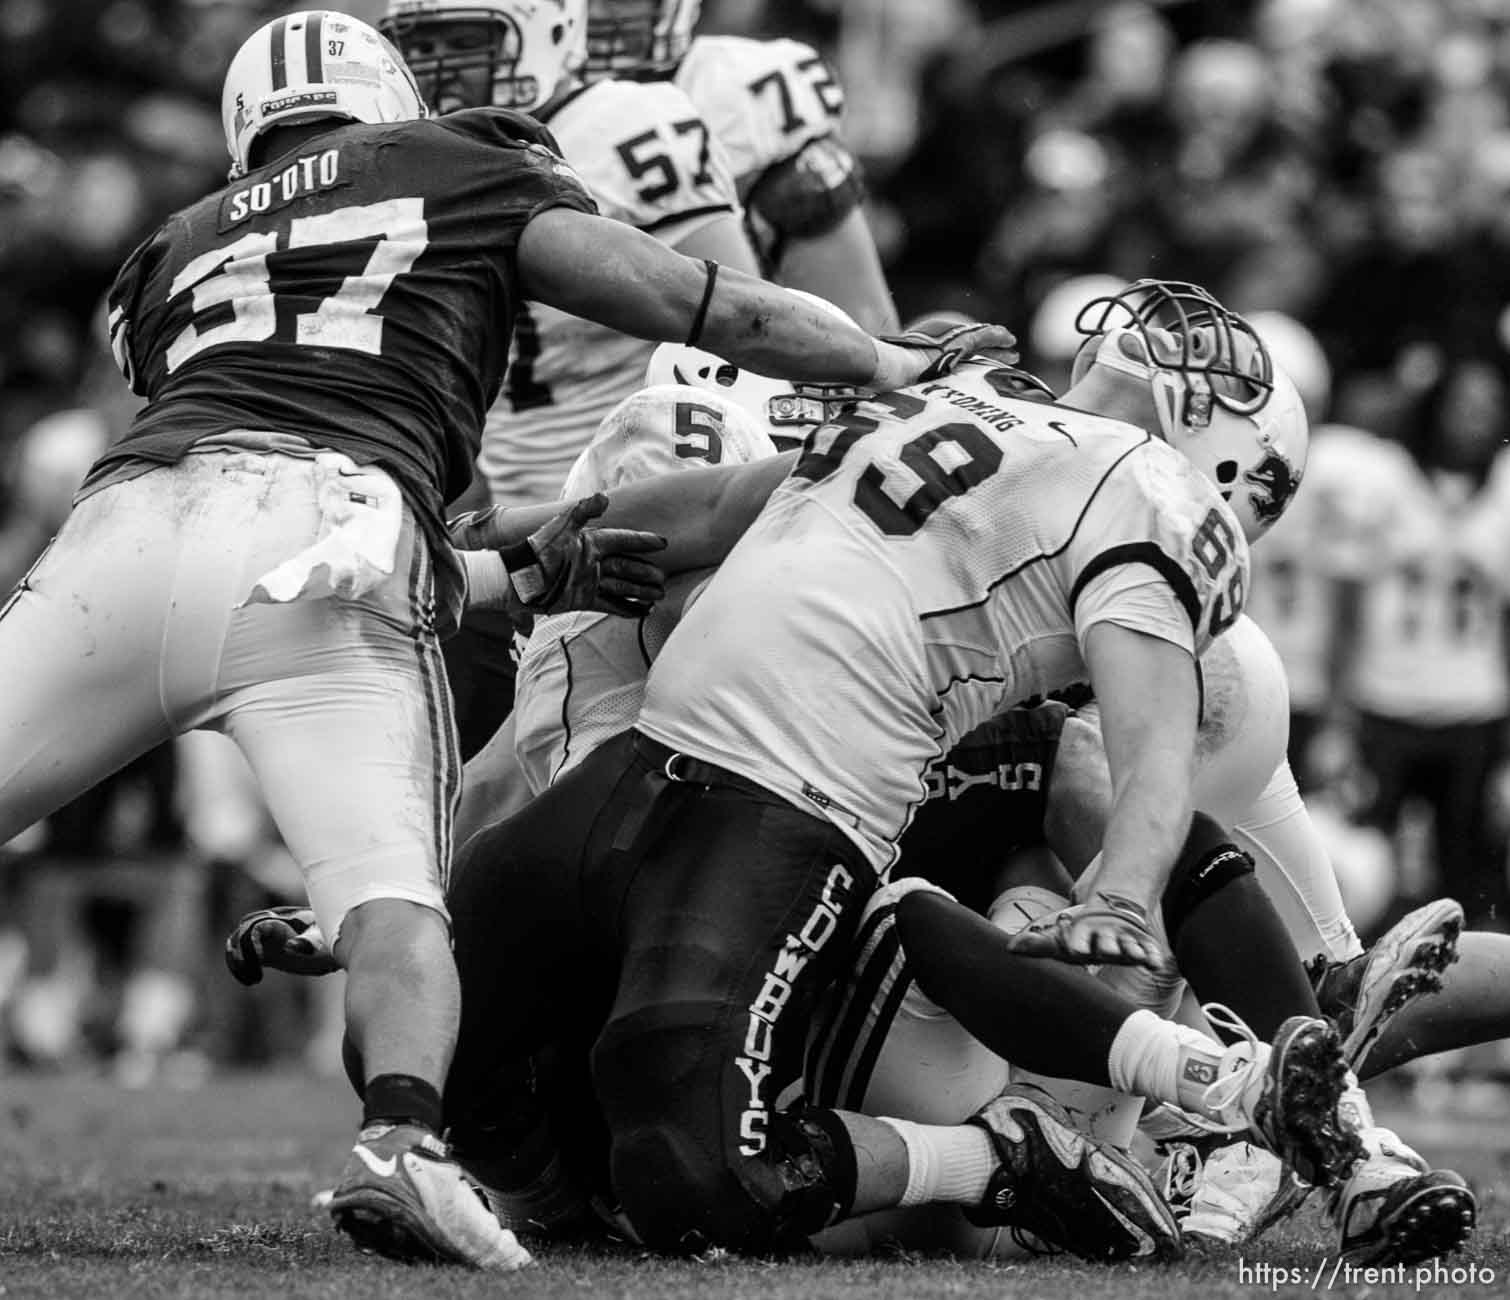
582	674
648	159
934	557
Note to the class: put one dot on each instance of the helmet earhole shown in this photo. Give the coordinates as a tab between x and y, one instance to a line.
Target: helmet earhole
1226	471
727	375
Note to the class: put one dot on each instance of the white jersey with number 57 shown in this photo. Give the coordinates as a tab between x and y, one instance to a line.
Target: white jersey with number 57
935	557
648	159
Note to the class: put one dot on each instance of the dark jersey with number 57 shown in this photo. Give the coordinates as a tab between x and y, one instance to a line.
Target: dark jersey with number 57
358	293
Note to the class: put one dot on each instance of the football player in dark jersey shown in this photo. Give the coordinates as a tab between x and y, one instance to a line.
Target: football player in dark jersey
263	552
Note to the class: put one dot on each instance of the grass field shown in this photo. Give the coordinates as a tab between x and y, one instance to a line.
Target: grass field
207	1193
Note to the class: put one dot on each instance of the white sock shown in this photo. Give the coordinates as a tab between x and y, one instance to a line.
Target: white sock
1145	1057
945	1162
1165	1061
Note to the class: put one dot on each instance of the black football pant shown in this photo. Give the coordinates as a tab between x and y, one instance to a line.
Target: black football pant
1450	768
685	927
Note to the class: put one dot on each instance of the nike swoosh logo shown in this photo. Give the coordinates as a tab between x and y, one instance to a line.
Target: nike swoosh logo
381	1167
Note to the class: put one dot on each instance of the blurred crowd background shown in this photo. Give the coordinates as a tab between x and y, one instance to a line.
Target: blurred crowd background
1340	169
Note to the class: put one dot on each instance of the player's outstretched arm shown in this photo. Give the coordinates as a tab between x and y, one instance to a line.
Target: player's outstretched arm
622	278
701	513
723	239
1150	705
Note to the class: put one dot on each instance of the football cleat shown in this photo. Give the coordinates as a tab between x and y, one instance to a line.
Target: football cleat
401	1195
1231	1196
1364	993
1065	1188
1286	1092
1393	1209
546	1202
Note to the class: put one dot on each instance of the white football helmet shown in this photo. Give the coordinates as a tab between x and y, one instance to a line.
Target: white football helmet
1219	397
489	53
311	65
662	429
788	411
629	36
1296	351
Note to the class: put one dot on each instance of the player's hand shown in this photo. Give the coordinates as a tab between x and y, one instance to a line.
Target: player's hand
920	355
1106	929
278	938
567	565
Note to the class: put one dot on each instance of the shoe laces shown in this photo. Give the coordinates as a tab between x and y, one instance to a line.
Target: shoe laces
1181	1176
1241	1066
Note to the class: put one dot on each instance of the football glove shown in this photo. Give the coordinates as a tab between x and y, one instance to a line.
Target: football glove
566	565
278	938
920	355
1106	929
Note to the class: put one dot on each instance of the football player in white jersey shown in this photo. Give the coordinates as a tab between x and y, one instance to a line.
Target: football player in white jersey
646	156
1420	620
934	555
775	107
909	1060
582	681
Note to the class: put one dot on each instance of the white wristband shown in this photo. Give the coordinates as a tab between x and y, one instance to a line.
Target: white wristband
488	585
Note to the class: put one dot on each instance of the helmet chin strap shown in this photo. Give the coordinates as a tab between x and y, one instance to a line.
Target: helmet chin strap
1116	352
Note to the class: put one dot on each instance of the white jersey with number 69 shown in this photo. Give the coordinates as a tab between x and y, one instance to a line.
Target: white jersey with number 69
648	159
935	556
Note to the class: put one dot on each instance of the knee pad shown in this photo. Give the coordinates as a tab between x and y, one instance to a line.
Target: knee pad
679	1198
1209	862
814	1162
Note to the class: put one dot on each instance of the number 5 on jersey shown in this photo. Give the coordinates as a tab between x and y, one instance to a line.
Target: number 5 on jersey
236	289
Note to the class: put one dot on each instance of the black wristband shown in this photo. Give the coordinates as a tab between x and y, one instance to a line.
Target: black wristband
696	332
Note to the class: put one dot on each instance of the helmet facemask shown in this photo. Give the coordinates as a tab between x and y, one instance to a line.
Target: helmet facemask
1201	358
790	411
1218	397
489	53
626	37
464	57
